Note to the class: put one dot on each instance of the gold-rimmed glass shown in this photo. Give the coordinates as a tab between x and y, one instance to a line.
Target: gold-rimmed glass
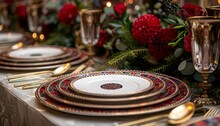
205	53
4	19
90	28
35	20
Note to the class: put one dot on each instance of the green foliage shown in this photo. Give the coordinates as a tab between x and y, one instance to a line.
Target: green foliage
122	56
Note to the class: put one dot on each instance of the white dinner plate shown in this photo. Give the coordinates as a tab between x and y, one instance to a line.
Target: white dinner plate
35	52
111	85
10	37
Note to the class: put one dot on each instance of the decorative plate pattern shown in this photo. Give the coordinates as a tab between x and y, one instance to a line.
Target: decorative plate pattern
82	59
180	98
63	88
66	53
170	92
74	55
111	85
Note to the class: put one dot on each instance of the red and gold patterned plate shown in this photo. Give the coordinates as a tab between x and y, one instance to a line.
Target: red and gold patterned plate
181	97
83	58
171	91
75	54
63	88
33	54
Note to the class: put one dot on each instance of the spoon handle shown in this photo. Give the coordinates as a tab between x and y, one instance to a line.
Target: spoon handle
38	76
148	119
27	74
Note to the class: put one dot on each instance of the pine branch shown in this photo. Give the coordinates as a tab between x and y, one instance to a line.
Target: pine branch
161	69
121	56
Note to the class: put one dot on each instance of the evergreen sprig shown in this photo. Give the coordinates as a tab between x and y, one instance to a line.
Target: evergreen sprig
122	56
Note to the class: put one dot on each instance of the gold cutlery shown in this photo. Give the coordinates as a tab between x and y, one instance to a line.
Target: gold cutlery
58	71
213	111
37	84
178	115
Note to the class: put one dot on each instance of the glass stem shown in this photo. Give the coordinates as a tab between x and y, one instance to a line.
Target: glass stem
205	85
90	51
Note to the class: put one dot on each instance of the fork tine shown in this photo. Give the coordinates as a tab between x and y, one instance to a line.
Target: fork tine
212	112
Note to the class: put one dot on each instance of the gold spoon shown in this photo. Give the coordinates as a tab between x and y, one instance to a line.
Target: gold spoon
58	71
17	46
178	115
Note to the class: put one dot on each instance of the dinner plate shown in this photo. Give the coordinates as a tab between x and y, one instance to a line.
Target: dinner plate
111	85
83	58
170	92
36	52
67	53
182	96
10	37
74	55
64	88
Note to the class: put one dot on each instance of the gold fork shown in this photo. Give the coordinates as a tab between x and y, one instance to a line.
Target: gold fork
213	111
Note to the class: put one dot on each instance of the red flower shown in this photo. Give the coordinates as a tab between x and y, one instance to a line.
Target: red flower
189	10
187	42
9	1
145	28
120	8
159	47
103	38
68	13
21	10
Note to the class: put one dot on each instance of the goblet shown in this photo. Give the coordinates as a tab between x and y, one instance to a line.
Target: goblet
4	20
213	11
35	20
205	52
90	27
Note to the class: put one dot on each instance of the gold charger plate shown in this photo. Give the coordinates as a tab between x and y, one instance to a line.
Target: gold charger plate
182	96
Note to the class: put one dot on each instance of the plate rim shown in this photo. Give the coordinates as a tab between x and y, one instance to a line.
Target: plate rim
99	99
112	106
84	57
78	111
51	62
113	95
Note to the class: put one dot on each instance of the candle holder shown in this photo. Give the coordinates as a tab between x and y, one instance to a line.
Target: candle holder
205	53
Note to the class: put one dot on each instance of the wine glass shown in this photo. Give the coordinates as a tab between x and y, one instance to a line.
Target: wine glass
90	28
213	11
35	20
205	53
4	20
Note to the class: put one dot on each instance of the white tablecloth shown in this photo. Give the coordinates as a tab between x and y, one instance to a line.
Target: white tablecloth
20	108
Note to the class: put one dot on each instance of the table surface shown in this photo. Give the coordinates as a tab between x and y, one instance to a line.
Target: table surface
20	107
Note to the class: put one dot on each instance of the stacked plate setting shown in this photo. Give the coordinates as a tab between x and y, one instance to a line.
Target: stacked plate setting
113	93
7	39
40	58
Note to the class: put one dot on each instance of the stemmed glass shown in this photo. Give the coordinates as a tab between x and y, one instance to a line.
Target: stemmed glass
205	52
4	20
90	27
35	20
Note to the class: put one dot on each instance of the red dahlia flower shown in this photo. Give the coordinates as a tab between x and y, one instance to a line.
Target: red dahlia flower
145	28
103	38
187	42
120	8
21	10
159	47
68	13
189	10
